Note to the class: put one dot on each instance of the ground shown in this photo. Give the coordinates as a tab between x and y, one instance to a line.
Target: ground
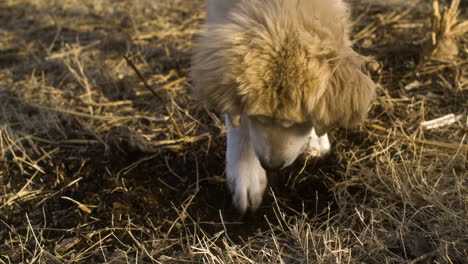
95	168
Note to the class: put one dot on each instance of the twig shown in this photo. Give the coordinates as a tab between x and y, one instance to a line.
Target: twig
108	104
169	85
165	87
138	73
435	21
83	207
174	123
71	51
441	121
421	141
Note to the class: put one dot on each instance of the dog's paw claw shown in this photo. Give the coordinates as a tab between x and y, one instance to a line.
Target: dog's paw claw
247	191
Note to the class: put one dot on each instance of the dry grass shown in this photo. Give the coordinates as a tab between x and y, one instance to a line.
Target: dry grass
95	169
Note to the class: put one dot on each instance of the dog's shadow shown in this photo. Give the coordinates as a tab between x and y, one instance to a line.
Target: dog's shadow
303	189
294	191
194	185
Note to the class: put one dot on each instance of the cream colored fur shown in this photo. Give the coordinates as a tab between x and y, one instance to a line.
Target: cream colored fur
267	63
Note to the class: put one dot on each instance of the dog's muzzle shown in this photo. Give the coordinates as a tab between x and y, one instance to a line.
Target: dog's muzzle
272	165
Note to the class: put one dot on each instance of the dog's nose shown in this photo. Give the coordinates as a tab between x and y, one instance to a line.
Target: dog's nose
271	165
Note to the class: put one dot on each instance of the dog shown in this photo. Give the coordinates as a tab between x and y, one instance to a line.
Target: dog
283	73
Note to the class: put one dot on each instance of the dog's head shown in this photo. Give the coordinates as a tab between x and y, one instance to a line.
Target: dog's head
277	143
272	64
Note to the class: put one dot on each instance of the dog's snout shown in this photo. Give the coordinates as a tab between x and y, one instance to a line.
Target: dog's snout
272	165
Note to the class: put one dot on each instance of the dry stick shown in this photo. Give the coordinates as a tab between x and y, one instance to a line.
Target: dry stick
17	196
118	103
166	86
435	21
142	247
169	85
183	214
132	65
138	73
422	141
176	126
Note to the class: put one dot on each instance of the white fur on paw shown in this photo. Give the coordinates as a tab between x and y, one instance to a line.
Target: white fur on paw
318	146
247	189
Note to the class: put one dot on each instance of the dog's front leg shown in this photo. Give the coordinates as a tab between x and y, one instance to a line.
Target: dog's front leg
245	176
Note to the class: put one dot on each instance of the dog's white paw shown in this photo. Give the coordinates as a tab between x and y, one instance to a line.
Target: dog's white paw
247	188
318	146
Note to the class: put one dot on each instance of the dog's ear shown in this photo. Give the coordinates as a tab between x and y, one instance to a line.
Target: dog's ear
211	70
345	102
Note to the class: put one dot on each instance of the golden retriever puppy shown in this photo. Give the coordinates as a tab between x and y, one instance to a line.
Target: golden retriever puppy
284	73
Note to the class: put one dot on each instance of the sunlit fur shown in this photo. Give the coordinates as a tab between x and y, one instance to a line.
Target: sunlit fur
284	60
245	176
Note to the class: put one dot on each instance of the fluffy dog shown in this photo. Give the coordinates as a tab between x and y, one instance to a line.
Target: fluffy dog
284	73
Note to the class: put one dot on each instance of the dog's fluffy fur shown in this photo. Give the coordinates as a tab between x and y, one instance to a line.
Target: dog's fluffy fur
277	68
